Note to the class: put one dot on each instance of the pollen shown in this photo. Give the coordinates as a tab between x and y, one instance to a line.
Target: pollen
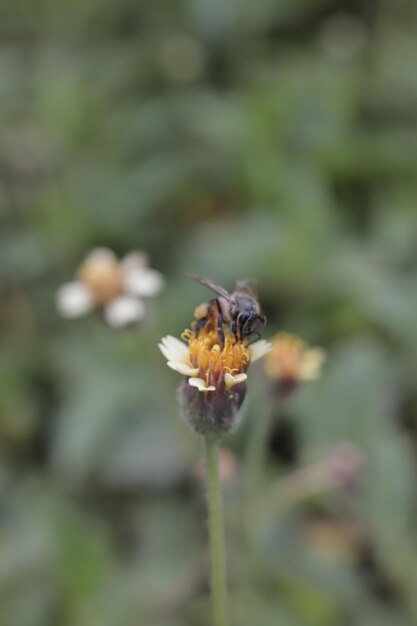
213	354
201	311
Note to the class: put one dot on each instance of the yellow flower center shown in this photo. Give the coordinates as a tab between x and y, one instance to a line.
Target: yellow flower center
104	277
215	355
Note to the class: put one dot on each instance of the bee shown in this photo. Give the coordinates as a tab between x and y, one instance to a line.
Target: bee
239	309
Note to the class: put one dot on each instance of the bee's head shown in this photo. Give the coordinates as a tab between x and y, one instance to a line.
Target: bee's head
253	324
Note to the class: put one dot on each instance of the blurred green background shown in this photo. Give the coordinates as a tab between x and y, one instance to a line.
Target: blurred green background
270	139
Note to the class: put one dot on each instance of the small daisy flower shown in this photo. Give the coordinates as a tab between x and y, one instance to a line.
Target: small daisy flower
290	361
215	369
117	288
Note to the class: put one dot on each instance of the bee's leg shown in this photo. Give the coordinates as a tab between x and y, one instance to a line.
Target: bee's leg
237	326
201	315
199	324
220	331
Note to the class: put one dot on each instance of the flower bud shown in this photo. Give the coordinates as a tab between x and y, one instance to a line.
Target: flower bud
212	413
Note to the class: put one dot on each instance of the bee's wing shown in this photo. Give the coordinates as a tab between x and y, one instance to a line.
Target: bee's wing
208	283
249	286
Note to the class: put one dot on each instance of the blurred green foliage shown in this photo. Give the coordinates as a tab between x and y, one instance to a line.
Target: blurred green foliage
273	139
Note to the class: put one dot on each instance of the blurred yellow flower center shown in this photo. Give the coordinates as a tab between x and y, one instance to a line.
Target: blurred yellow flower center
285	357
291	360
104	276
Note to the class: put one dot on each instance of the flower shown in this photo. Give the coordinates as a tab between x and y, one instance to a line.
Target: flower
113	286
290	361
215	366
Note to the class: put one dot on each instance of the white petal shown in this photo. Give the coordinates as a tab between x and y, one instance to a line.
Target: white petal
230	380
124	311
134	260
200	384
168	354
173	349
183	368
143	281
74	299
259	349
313	360
100	255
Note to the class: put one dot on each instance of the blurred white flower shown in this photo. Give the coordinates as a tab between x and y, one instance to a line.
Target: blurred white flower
117	287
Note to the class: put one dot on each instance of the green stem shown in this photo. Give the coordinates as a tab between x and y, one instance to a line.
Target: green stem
218	567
